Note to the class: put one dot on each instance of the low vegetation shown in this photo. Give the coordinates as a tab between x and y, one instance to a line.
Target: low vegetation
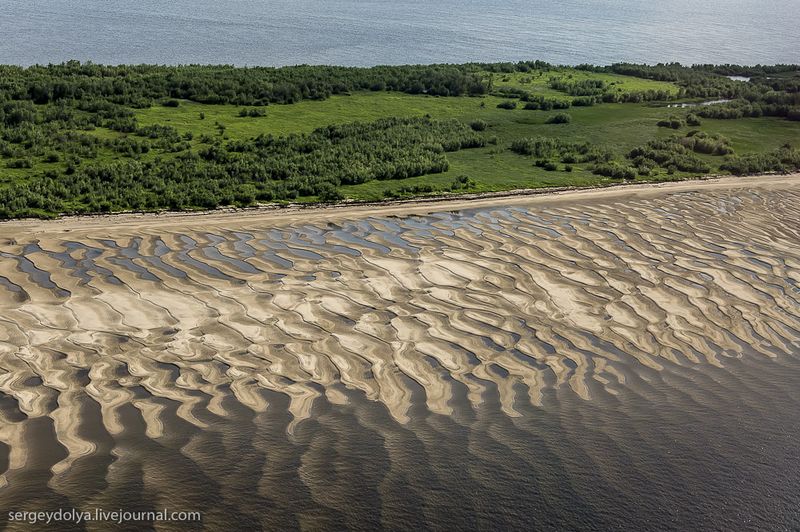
78	138
560	118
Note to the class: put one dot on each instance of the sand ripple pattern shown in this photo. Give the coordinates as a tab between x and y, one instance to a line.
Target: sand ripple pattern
507	303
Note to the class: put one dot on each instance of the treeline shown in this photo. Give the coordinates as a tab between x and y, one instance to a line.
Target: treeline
661	71
102	90
510	68
140	85
779	104
263	168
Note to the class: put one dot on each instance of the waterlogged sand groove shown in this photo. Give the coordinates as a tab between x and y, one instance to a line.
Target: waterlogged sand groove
147	333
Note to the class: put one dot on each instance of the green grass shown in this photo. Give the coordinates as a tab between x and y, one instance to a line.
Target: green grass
309	115
614	124
618	126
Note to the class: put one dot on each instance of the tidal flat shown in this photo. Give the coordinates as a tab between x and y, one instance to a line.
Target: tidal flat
621	358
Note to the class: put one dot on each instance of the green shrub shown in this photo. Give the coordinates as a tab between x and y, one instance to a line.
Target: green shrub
672	122
614	170
462	182
701	142
549	147
254	112
478	125
560	118
784	159
583	101
666	153
327	193
25	162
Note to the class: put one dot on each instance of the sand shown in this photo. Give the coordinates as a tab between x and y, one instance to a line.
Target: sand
505	297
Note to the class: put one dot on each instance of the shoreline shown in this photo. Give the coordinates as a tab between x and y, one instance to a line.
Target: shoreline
420	205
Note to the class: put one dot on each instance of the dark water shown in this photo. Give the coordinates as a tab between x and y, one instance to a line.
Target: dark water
688	450
368	32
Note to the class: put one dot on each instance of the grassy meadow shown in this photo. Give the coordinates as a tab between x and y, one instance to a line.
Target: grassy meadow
494	168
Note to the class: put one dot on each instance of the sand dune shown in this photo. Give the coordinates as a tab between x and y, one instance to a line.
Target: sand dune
176	317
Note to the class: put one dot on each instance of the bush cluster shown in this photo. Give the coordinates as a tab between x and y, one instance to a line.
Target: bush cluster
672	122
784	160
253	112
263	168
614	170
673	154
560	118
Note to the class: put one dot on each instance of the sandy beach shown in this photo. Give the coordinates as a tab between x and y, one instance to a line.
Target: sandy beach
160	324
292	214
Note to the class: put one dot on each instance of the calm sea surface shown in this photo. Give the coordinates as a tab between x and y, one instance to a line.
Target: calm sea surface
368	32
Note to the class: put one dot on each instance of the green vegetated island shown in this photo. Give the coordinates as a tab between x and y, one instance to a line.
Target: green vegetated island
84	138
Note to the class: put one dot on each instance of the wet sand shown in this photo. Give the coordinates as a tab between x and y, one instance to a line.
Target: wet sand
341	366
